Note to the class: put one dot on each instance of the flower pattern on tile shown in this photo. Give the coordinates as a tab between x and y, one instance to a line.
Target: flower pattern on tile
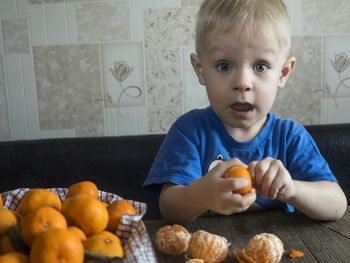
16	36
121	72
105	21
340	64
68	85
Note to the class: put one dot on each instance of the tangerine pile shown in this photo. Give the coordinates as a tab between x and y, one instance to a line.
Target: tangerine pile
47	229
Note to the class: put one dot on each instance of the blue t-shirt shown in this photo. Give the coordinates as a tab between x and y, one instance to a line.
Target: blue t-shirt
198	138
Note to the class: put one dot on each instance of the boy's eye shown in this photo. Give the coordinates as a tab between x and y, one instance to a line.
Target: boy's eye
223	66
260	67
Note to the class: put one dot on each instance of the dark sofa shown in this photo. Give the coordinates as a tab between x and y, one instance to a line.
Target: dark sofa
120	164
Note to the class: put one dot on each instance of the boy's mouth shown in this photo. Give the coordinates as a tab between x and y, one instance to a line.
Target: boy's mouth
243	107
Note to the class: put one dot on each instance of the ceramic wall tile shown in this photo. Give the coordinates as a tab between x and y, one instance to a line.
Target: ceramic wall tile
123	85
77	1
16	98
45	1
5	133
336	71
137	16
191	2
72	25
336	67
169	3
69	88
335	111
16	36
8	9
56	22
36	21
324	16
300	99
105	21
166	30
123	75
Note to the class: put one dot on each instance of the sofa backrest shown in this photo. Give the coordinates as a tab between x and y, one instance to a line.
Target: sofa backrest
120	164
116	164
333	140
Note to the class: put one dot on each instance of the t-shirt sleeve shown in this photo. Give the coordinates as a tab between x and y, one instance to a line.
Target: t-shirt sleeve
177	161
305	161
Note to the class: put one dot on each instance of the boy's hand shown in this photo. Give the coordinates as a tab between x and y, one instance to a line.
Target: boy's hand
219	190
271	179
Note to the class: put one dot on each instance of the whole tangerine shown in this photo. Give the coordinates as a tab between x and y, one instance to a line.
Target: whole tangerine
35	198
240	172
83	187
7	220
78	232
116	210
14	257
6	244
85	212
38	221
105	244
57	245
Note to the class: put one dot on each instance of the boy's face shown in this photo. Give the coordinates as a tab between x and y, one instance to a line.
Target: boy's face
242	76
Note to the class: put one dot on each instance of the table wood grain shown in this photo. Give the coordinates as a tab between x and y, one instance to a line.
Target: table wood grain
320	241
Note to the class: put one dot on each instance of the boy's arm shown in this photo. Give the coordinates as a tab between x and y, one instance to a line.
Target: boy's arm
182	204
320	200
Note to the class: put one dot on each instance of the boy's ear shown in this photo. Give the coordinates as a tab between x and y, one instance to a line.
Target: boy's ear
195	61
286	71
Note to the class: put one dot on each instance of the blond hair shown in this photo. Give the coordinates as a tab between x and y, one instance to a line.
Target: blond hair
268	17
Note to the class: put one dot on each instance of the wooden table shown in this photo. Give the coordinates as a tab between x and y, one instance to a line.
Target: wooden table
320	241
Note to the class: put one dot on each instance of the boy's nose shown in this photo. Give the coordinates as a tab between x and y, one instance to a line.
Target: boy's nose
243	81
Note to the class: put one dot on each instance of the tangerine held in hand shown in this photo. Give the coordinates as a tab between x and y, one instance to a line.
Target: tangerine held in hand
240	172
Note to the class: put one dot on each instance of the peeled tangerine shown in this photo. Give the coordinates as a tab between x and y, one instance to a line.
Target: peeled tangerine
172	239
265	247
209	247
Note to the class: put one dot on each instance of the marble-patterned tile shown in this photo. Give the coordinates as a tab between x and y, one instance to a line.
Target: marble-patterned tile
324	16
336	67
123	75
16	36
166	30
45	1
105	21
69	88
191	2
300	99
5	132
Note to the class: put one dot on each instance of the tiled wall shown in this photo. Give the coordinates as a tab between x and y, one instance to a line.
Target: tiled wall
71	68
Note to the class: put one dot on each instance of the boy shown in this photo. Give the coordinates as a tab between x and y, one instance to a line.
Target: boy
243	60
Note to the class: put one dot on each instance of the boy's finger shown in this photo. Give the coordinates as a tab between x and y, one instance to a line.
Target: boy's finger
237	162
220	167
234	184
